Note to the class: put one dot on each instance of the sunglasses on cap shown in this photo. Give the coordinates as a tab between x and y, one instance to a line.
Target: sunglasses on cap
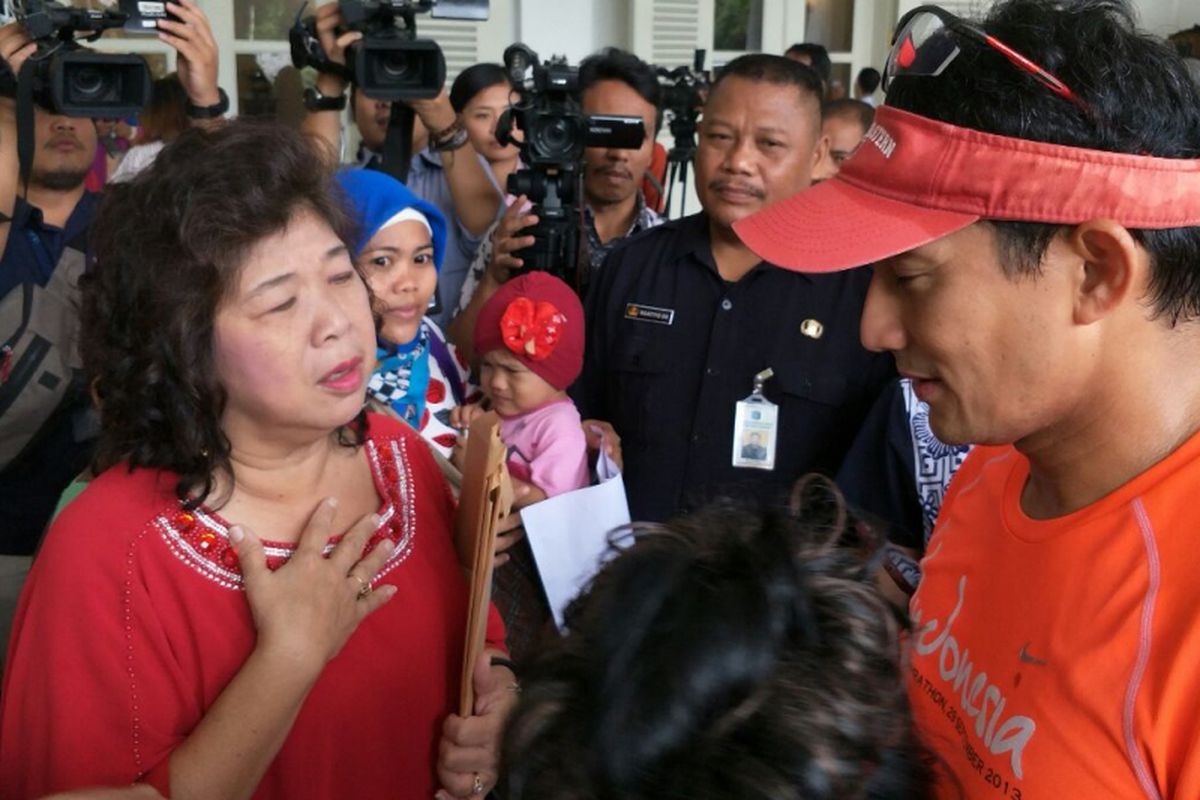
927	41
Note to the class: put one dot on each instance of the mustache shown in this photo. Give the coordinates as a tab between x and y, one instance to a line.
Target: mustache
55	141
620	172
717	184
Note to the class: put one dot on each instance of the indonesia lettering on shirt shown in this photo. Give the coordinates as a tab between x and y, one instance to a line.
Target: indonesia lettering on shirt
980	700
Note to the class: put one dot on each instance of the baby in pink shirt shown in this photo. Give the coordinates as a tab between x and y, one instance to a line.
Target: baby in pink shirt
529	338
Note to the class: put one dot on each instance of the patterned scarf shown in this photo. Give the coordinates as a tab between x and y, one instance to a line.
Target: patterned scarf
402	377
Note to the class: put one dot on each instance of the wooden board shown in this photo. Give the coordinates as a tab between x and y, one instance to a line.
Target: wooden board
485	500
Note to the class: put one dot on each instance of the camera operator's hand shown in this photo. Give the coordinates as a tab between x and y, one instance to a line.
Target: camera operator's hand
15	47
477	199
328	19
436	113
501	262
326	126
193	39
505	240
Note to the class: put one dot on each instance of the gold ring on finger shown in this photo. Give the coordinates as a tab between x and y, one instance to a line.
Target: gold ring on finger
364	586
477	786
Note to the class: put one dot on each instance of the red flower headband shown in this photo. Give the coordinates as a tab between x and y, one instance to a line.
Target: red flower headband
531	330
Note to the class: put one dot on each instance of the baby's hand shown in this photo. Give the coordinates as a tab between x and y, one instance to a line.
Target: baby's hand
461	417
458	454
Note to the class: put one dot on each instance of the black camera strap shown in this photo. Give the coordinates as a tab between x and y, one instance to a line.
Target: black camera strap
397	145
8	80
578	244
26	140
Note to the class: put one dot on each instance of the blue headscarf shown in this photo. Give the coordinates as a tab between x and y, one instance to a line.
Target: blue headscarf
401	378
376	197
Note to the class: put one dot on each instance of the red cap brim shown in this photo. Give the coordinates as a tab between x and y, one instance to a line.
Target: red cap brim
835	226
914	179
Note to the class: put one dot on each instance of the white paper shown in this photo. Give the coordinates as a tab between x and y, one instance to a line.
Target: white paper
569	534
606	468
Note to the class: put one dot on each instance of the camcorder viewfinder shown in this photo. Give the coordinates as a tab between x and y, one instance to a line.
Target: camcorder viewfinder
67	79
389	63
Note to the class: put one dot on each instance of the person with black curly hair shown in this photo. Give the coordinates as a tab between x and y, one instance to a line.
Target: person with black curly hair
731	654
189	622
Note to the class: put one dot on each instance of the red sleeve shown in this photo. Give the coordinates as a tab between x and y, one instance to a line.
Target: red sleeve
92	692
495	630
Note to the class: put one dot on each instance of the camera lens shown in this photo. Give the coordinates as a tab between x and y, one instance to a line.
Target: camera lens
394	66
555	137
87	83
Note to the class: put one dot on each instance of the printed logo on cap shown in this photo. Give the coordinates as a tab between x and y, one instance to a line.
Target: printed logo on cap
879	137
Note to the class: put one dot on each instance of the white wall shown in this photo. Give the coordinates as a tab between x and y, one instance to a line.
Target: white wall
610	23
1165	17
574	28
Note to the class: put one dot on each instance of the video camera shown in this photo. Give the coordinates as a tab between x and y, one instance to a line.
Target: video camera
686	89
390	62
70	80
555	132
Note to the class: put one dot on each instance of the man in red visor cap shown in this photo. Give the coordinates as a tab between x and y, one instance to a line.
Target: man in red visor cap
1030	197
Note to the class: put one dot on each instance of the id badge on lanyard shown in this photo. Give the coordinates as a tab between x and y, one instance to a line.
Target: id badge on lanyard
756	427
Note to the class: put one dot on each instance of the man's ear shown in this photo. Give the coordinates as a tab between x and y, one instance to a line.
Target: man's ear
823	166
821	155
1113	268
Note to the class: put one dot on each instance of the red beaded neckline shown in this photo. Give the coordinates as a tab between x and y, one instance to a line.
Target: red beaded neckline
200	537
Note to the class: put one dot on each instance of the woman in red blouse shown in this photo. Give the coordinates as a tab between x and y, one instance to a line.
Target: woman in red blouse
190	623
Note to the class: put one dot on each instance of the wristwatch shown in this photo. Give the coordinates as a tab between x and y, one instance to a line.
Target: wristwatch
209	112
315	101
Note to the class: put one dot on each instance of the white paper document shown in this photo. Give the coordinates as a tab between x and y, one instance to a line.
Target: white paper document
569	534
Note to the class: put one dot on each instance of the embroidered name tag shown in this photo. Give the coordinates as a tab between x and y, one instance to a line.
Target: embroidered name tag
641	313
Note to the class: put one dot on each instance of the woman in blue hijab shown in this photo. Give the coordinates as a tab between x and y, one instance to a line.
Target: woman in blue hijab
419	377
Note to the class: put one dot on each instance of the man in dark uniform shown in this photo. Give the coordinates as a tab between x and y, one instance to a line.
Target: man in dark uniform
683	317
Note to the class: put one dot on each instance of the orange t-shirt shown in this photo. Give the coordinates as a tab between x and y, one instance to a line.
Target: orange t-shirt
1060	658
